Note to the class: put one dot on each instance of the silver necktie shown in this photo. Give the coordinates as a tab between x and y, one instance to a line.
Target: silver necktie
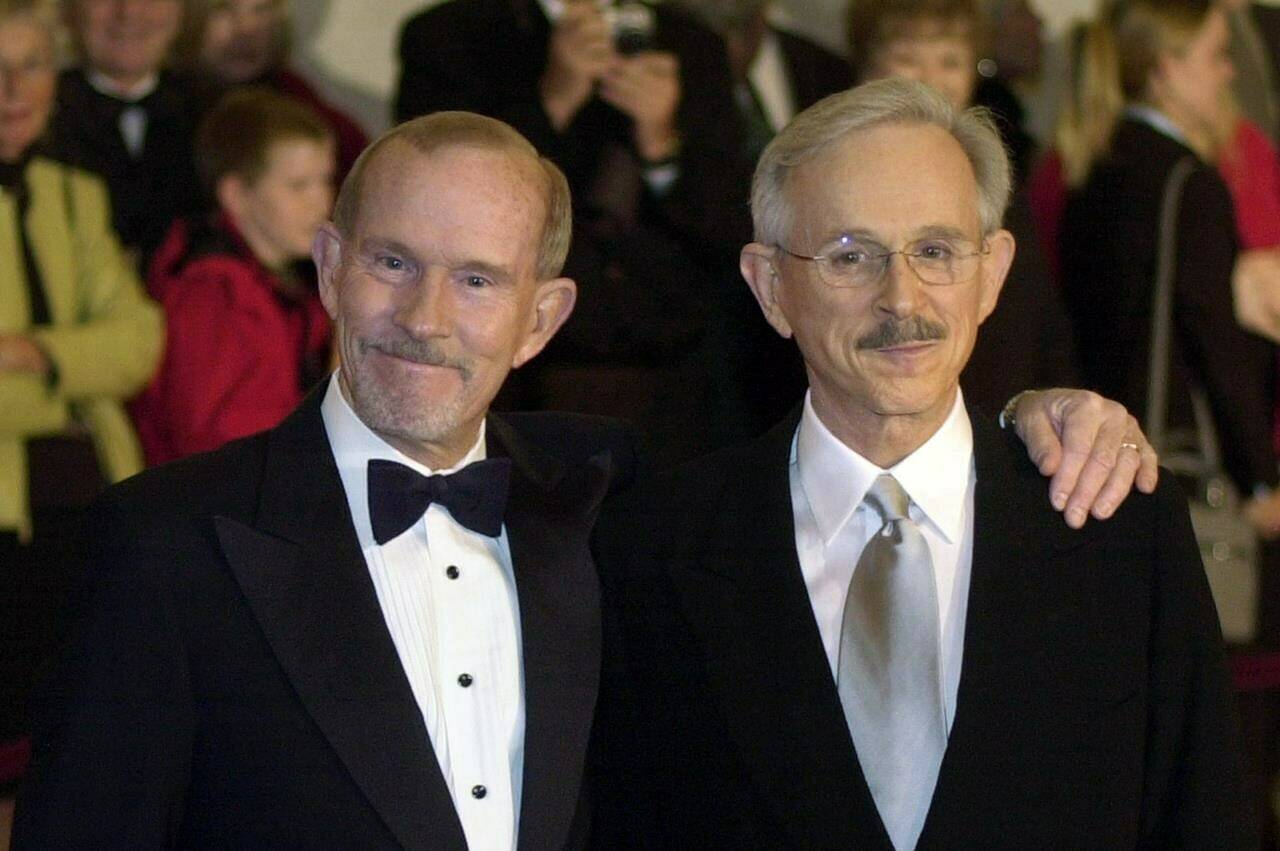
889	676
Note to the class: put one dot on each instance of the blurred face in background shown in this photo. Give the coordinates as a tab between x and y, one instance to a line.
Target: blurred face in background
1189	85
279	211
27	83
126	40
938	53
243	39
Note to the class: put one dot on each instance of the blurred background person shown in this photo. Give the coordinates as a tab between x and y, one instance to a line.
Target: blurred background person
1234	139
1027	340
123	114
943	43
247	334
776	73
1011	54
1168	66
230	43
77	336
635	103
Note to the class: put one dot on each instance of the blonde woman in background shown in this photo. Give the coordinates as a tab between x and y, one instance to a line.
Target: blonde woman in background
1108	56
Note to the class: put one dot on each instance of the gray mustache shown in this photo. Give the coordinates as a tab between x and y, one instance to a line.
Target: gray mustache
420	351
892	332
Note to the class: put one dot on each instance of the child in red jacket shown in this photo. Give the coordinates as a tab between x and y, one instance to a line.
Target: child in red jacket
247	334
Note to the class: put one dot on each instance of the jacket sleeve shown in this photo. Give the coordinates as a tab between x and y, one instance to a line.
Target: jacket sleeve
1195	791
115	346
29	406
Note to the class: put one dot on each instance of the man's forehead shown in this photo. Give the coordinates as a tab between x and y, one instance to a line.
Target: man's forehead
402	175
911	175
458	204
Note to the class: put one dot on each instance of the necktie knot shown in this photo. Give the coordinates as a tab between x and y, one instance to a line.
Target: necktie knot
887	498
476	496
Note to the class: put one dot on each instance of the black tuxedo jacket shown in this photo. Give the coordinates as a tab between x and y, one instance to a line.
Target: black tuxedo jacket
232	682
149	192
1093	707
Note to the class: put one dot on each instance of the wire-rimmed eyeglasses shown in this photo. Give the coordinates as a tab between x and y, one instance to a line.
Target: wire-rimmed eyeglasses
853	262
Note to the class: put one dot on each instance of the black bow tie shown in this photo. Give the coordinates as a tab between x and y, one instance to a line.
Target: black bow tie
476	496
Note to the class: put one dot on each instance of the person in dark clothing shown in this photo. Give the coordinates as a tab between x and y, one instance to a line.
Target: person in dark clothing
122	114
776	74
866	629
651	144
1111	232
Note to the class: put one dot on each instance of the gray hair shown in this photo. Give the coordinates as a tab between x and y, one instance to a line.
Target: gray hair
889	101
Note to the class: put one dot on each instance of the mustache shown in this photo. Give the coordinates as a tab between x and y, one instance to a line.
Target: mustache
419	351
893	332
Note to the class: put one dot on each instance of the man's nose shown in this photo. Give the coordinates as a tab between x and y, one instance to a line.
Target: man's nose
427	309
901	290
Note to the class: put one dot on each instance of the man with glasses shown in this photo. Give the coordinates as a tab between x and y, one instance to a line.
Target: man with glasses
866	630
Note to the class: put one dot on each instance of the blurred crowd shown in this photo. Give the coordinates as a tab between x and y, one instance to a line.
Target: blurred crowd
163	172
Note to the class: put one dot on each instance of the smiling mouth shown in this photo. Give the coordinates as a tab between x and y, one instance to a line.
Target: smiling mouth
915	346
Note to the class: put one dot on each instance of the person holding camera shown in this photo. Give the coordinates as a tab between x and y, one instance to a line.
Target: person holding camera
634	102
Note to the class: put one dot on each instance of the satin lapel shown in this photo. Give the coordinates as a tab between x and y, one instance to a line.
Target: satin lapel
548	521
307	584
1004	618
747	598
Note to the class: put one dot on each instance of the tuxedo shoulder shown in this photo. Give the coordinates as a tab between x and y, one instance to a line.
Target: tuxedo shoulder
573	439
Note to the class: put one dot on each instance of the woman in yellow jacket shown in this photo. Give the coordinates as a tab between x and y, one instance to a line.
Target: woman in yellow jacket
77	336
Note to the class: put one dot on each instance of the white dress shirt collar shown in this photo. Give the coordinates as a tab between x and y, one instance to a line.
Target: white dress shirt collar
771	81
836	478
355	445
1156	120
109	87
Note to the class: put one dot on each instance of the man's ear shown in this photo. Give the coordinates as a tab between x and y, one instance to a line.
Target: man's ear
230	192
995	269
552	304
326	252
758	266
